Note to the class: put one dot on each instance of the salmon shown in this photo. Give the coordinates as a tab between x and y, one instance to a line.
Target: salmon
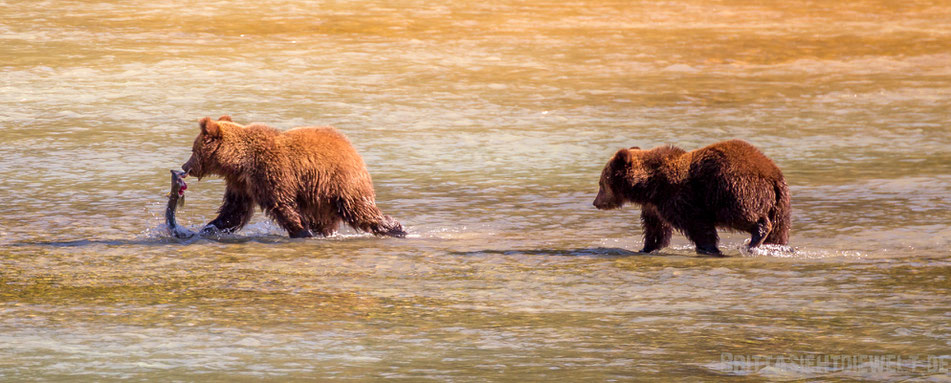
176	199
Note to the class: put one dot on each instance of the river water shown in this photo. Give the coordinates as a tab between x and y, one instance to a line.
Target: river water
485	126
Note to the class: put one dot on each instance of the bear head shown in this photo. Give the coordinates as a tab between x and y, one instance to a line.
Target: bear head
204	159
622	175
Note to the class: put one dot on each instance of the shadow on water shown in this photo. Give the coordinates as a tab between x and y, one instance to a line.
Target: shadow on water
161	237
580	252
618	252
161	241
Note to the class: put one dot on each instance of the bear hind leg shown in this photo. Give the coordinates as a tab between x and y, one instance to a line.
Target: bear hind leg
363	215
324	219
324	230
760	232
780	216
779	234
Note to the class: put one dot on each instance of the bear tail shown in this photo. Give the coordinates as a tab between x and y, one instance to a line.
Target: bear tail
780	216
363	215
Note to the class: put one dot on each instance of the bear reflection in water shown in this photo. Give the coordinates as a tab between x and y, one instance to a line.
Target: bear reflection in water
729	184
307	179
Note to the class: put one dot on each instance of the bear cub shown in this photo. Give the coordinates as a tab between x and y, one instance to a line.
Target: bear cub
729	184
307	179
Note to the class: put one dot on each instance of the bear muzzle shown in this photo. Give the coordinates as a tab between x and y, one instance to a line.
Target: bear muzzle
605	201
189	169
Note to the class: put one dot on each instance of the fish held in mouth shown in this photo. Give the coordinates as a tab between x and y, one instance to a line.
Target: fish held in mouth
176	199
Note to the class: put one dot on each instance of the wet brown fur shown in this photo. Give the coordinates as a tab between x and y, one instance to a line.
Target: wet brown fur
307	179
729	184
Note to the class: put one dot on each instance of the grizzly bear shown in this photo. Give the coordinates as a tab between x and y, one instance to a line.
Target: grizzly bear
729	184
307	179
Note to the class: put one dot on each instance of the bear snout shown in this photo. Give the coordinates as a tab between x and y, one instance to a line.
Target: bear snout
606	200
189	166
601	204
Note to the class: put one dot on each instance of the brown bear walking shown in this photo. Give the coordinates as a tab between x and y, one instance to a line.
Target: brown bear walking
729	184
307	179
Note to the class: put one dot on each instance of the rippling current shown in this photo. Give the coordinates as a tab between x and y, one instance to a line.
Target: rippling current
485	126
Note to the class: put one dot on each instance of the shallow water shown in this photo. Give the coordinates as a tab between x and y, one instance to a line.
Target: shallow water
485	126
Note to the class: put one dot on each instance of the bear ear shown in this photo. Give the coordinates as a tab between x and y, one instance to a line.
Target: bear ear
624	157
635	148
225	118
209	127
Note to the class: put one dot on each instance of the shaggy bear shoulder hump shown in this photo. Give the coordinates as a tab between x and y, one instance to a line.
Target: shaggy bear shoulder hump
261	129
321	137
322	131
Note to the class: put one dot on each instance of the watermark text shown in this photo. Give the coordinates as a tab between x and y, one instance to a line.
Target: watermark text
827	363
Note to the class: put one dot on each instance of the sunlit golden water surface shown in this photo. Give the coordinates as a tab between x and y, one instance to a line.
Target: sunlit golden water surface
485	125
